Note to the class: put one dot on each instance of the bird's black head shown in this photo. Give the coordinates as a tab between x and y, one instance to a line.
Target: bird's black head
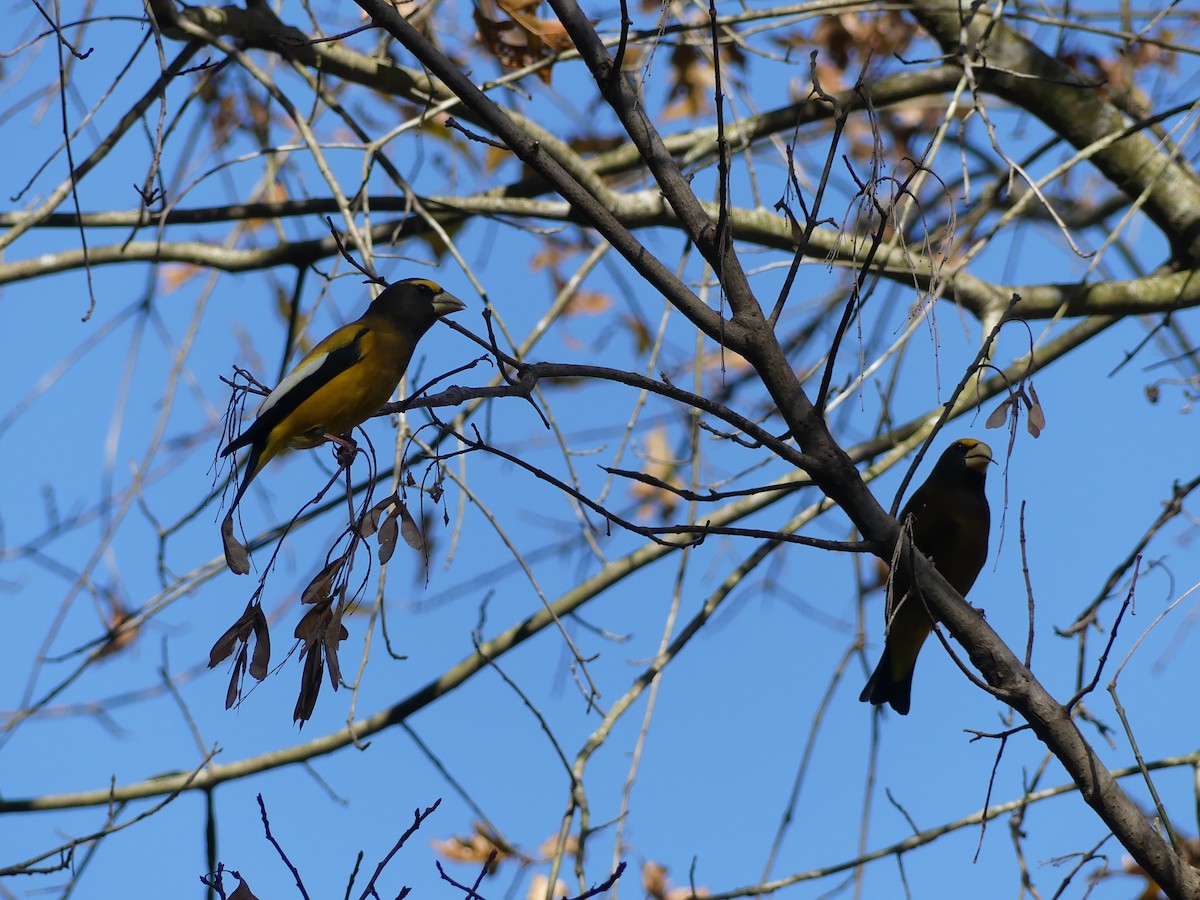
965	455
415	303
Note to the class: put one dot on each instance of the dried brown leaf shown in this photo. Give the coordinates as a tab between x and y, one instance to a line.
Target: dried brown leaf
388	532
370	522
495	157
999	415
722	361
173	276
310	687
692	83
587	303
475	849
242	891
547	33
642	339
497	840
238	632
849	36
260	661
654	879
409	530
549	256
311	625
120	633
237	557
550	846
319	589
335	633
516	37
660	466
1037	416
235	679
321	631
658	886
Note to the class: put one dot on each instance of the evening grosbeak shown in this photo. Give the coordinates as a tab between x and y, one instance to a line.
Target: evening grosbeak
346	378
950	522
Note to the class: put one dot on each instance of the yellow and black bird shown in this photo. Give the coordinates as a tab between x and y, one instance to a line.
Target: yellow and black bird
950	523
346	378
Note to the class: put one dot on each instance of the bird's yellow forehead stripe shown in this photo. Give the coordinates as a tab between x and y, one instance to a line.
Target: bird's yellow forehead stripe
432	285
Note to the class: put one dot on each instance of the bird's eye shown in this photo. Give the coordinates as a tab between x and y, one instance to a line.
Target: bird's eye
425	288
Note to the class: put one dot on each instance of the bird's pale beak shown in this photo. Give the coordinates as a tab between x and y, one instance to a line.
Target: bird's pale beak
446	303
978	457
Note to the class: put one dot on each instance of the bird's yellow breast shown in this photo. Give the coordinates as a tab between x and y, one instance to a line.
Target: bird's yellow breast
352	396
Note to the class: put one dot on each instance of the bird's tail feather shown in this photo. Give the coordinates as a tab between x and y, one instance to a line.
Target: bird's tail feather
883	688
254	463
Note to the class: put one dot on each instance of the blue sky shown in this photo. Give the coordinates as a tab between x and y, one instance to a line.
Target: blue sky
732	713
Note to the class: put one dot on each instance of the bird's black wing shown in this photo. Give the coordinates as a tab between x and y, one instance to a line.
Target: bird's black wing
302	382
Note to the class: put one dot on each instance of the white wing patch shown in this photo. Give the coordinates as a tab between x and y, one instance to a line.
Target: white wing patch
307	367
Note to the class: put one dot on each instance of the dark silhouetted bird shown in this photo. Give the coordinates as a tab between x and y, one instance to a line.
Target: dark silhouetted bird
950	523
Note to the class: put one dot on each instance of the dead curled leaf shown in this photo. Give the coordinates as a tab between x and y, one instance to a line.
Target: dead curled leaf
321	587
476	848
252	623
237	556
370	522
387	538
654	879
657	885
587	303
260	661
235	681
999	415
320	632
1037	416
692	82
1035	422
122	629
242	891
398	523
516	37
409	530
661	466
